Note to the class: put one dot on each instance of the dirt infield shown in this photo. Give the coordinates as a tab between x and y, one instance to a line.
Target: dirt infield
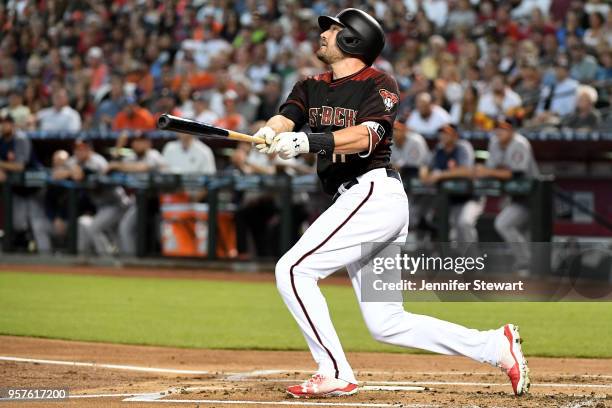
136	376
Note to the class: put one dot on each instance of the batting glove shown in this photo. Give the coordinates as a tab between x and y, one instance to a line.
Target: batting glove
290	144
268	134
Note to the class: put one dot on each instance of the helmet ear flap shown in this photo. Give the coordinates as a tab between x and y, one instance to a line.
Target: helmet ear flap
347	41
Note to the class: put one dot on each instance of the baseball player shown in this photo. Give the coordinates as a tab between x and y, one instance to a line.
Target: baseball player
408	154
454	158
144	159
110	202
510	155
28	203
350	111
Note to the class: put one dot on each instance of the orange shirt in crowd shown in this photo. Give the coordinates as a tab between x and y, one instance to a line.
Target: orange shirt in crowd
98	76
232	121
197	80
145	82
142	119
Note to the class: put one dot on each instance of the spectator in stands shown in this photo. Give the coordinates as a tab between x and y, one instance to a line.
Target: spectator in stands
559	99
247	102
144	159
270	98
83	104
28	203
511	156
586	116
259	68
604	73
529	87
185	101
453	158
191	74
584	66
431	63
469	106
165	102
596	34
571	26
201	108
597	6
110	107
461	16
427	118
111	202
18	111
98	69
499	100
60	117
133	116
526	8
232	119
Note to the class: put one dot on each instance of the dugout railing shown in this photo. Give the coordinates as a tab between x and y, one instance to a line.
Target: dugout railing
537	193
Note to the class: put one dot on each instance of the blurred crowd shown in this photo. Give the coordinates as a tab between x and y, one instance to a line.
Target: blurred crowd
116	65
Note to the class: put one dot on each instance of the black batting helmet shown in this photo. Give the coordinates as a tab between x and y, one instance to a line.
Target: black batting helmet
361	35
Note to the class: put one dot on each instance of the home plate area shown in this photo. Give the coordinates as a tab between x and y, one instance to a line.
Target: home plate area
138	376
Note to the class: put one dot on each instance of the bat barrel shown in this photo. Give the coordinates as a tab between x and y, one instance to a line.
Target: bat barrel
182	125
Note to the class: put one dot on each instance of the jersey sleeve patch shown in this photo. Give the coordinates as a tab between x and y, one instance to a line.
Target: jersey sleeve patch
390	99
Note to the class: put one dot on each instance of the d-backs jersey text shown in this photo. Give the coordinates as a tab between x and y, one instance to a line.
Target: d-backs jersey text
326	105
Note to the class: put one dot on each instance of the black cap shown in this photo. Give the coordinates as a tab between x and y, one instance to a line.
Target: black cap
506	122
82	142
449	129
141	136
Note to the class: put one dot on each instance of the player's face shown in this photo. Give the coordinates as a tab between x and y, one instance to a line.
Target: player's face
140	146
503	135
7	128
328	51
81	152
446	139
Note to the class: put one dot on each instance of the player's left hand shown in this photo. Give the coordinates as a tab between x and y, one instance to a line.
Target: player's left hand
290	144
268	134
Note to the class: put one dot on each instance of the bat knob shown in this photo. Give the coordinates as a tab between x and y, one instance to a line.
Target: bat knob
163	121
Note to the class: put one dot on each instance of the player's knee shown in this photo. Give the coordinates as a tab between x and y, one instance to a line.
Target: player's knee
384	330
380	331
282	272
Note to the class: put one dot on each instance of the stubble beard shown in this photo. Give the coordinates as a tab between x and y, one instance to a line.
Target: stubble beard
329	55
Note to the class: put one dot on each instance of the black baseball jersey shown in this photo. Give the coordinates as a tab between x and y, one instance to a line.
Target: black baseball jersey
327	105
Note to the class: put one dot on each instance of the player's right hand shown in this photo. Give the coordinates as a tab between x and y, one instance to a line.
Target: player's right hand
268	134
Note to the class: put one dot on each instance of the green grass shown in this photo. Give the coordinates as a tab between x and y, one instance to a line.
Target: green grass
236	315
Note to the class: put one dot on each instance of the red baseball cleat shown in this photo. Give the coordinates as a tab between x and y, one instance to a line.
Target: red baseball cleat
321	386
512	361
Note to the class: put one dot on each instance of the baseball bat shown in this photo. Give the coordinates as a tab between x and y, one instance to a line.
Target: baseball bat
193	127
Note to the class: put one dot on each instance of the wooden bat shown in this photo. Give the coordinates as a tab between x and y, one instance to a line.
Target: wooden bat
193	127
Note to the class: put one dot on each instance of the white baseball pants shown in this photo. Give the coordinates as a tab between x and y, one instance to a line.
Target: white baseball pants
375	210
